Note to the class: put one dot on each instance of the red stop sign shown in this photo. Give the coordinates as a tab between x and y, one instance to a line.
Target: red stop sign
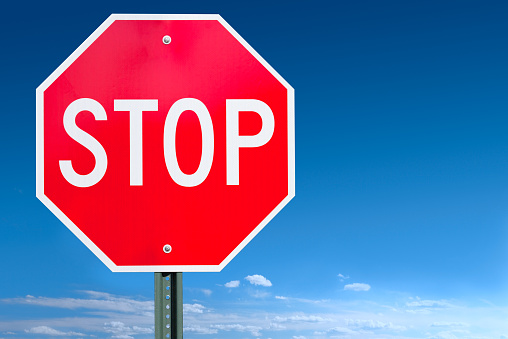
165	143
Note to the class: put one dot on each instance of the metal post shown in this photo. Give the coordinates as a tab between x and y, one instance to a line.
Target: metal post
168	306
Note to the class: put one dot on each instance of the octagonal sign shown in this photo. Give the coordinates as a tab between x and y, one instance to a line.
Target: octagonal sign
165	143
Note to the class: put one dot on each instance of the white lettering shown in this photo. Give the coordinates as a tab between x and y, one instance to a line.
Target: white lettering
136	109
234	141
87	141
207	142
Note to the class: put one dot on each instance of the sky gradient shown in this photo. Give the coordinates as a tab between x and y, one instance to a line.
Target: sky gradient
399	227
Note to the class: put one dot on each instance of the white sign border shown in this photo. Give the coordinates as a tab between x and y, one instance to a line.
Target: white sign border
40	146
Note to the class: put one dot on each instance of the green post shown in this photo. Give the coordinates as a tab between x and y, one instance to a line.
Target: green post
168	306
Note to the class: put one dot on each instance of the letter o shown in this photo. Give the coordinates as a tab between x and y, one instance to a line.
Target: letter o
207	140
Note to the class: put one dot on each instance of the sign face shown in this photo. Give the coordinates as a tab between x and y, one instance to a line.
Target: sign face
165	143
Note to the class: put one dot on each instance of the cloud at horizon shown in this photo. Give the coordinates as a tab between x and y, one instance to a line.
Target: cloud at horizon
306	317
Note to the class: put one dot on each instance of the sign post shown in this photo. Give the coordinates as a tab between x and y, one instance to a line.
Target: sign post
165	143
168	306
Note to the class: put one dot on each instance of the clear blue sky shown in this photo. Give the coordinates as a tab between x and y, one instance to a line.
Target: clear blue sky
399	227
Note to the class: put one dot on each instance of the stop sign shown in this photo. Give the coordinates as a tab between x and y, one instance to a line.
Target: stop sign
165	143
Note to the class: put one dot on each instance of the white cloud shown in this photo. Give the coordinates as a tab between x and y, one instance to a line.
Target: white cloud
300	318
429	304
357	287
232	284
299	337
301	300
450	335
257	279
200	330
254	330
340	330
360	324
448	324
342	277
46	330
259	294
121	331
284	316
277	326
193	308
97	294
99	312
98	301
206	292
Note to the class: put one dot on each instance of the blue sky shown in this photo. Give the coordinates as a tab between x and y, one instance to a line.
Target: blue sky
399	224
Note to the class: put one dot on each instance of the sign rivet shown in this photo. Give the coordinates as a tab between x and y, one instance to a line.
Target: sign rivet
166	39
166	248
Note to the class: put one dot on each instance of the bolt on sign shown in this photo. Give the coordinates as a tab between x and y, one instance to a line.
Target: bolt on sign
165	143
